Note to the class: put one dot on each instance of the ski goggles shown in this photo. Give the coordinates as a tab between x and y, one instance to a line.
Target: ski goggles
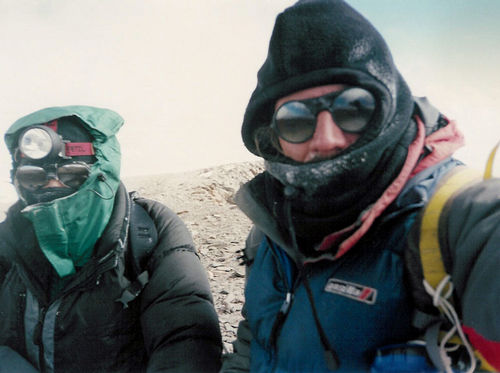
351	109
34	177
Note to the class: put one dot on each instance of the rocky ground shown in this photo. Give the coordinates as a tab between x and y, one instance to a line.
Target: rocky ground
204	201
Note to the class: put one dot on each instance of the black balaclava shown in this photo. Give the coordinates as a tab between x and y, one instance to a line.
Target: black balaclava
319	42
70	129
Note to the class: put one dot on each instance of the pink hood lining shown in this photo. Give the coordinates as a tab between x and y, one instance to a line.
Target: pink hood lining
442	143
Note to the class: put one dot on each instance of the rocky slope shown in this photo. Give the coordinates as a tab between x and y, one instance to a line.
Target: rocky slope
204	201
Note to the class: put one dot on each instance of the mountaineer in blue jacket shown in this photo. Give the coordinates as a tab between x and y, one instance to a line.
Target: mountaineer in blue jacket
351	159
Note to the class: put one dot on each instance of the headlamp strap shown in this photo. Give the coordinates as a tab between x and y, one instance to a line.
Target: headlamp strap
52	125
79	148
73	148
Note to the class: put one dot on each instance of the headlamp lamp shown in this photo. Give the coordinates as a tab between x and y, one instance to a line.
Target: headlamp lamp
40	142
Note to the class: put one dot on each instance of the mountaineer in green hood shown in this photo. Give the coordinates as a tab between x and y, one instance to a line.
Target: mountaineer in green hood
66	169
92	266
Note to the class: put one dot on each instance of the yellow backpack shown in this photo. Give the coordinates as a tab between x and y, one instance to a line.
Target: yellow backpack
437	281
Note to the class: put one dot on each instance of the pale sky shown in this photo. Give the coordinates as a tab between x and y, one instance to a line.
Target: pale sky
181	72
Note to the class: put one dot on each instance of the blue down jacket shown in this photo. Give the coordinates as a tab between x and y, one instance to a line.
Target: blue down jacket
362	301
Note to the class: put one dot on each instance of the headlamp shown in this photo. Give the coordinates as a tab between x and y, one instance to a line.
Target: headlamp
40	142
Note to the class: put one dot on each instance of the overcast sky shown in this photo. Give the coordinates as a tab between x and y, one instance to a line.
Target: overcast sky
181	72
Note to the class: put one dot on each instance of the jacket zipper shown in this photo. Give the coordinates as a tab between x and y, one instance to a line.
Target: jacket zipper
290	285
37	337
280	319
106	263
21	306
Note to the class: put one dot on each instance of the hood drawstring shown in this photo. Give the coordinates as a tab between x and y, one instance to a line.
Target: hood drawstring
331	357
290	193
101	177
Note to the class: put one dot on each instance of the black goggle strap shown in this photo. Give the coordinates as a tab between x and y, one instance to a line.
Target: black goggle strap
327	102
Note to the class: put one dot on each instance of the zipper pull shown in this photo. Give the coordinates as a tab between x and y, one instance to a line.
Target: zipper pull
280	319
37	335
332	361
286	304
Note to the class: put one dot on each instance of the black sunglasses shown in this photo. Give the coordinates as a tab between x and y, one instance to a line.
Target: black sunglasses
351	109
33	177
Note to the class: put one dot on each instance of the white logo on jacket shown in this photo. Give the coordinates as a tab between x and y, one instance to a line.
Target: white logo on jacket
351	290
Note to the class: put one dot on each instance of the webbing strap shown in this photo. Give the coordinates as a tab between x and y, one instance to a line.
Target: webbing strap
431	346
430	253
134	289
488	172
79	148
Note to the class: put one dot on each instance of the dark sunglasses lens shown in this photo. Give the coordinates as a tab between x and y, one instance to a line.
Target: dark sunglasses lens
294	122
31	177
73	175
353	109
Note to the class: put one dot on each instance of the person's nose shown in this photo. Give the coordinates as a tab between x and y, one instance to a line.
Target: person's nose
328	138
53	183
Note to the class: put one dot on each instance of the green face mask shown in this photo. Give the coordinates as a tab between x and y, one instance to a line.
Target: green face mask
68	228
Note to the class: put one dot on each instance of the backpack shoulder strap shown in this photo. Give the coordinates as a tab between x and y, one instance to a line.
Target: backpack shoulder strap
488	171
430	253
143	235
143	238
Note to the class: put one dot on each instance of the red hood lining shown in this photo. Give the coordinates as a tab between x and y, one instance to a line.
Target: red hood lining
442	143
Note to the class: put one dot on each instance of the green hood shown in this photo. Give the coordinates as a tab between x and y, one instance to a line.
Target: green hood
68	228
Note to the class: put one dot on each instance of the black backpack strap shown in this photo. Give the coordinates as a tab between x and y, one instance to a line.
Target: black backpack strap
143	238
134	289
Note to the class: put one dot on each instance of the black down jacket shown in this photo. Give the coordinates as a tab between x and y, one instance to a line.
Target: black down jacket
171	326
